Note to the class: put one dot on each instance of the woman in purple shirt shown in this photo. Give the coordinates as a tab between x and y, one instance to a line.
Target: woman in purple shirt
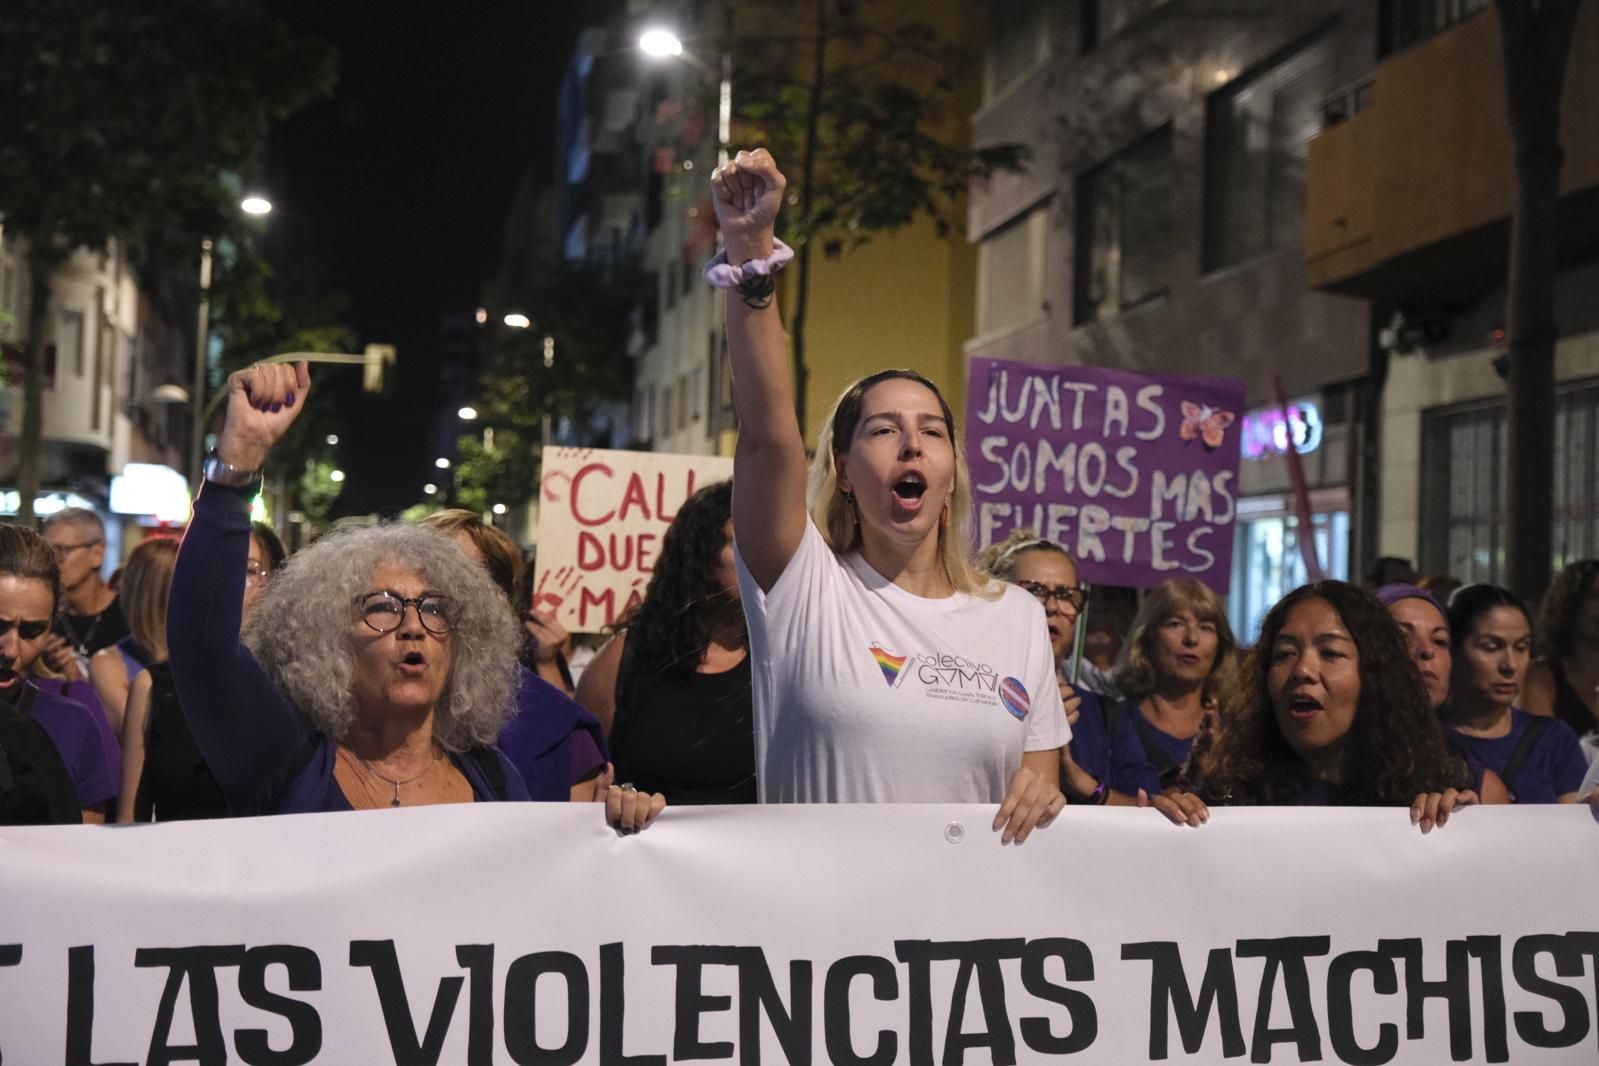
375	673
1333	713
1538	758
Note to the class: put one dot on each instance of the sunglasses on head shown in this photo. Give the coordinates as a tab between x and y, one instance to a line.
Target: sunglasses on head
26	630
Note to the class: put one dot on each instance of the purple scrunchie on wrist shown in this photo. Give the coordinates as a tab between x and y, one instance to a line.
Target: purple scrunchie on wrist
724	275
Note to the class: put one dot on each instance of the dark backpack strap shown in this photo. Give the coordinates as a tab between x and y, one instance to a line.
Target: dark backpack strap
488	763
1518	755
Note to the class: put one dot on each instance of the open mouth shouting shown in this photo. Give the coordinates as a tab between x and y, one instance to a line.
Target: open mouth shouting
413	664
908	492
1304	708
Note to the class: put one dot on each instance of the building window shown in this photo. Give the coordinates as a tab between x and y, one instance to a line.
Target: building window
10	300
70	335
1103	19
1267	564
1256	133
1463	470
1010	272
1123	230
682	401
665	419
1402	23
1018	41
697	393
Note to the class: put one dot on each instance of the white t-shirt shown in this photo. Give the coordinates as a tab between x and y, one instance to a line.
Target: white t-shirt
865	693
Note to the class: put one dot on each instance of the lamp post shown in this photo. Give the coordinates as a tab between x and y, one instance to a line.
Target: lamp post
250	205
660	43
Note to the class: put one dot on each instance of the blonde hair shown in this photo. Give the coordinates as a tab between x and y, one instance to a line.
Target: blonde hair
501	556
831	511
1000	559
1135	669
146	583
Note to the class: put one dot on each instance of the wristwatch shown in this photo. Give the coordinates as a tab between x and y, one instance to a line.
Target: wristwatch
219	473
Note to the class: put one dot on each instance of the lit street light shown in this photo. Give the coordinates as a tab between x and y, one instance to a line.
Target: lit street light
430	489
336	476
333	438
518	321
442	463
658	43
661	44
256	205
499	508
467	414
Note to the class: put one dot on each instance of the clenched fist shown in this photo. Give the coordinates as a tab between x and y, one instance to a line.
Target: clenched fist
747	192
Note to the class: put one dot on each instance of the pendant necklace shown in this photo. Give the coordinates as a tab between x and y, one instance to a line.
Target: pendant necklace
369	768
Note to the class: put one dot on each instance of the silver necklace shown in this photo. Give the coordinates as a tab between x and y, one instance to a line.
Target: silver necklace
369	768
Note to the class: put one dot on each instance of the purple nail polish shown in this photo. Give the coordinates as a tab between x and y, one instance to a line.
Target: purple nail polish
276	408
288	401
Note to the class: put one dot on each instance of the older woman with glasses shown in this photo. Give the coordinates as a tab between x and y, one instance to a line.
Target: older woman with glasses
376	671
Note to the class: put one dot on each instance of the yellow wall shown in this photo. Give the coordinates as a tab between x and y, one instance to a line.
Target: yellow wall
906	299
1432	157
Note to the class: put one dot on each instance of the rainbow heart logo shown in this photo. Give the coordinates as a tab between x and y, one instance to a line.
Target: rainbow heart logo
888	662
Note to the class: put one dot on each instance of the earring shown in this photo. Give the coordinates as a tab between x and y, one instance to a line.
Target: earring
854	511
943	519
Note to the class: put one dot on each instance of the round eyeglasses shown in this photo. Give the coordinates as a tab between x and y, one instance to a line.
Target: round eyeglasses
385	611
1073	596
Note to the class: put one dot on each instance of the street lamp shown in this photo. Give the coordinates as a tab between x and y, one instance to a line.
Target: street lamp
430	489
518	321
336	476
442	463
250	205
660	43
467	414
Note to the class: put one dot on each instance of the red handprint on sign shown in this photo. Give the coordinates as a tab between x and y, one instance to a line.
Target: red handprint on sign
554	587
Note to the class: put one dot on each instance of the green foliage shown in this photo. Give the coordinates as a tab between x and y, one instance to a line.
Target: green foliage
889	145
317	491
586	312
124	119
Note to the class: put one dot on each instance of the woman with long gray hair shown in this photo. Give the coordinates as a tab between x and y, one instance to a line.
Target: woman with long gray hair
376	672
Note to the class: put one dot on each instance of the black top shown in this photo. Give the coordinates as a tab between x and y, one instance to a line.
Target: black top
35	787
91	632
176	784
689	737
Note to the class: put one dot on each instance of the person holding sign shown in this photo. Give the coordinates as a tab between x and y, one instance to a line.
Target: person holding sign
886	668
1334	714
1177	667
377	670
1098	767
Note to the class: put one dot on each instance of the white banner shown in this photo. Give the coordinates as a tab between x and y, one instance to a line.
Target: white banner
532	934
602	515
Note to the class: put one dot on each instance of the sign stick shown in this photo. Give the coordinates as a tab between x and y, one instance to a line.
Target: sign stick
1080	635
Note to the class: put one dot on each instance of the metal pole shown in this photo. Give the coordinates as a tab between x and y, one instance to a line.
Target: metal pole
201	350
1080	635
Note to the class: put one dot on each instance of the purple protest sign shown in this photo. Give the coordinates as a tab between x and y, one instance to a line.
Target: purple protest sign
1134	474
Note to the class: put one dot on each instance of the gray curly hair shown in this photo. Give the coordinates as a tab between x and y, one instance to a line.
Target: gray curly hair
300	631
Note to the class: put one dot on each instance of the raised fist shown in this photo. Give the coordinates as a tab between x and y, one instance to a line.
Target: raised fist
747	192
263	403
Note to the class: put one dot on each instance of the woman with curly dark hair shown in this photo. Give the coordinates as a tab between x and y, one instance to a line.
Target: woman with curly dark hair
673	687
1564	682
1333	712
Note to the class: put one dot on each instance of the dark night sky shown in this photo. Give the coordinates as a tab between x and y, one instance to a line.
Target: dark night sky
394	191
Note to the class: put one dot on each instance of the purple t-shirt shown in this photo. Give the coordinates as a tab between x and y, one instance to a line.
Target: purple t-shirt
1116	758
1166	753
551	739
1553	767
85	742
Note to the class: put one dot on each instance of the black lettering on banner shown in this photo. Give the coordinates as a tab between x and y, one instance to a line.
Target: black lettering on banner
1341	1011
1168	988
1455	990
1568	958
305	1025
521	1034
758	995
380	958
836	1015
692	1001
80	1008
975	956
478	961
613	1011
10	954
198	966
1079	961
1286	955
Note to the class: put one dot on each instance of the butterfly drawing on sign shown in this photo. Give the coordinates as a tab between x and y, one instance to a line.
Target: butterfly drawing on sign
1206	423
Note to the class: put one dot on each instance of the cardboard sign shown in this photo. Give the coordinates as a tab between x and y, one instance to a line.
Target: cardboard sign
601	518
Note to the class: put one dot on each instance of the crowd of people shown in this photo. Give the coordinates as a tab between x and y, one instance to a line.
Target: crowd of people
815	630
